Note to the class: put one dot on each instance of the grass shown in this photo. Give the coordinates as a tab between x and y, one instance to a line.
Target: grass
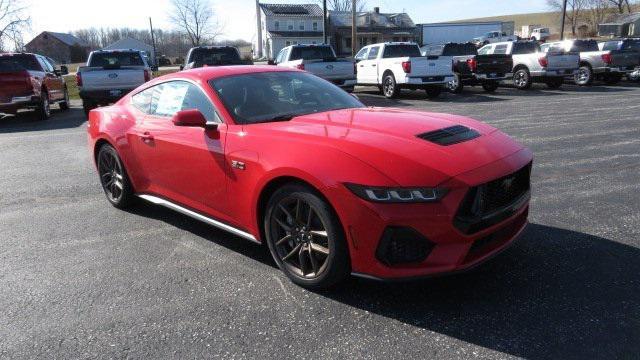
72	85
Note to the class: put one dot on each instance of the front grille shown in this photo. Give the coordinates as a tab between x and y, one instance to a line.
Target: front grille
487	204
449	136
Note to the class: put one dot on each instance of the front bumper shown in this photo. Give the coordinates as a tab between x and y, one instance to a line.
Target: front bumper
451	249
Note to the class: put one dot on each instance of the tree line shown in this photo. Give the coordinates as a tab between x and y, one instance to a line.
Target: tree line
587	14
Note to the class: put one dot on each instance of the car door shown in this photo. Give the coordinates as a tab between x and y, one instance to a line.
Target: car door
369	66
361	60
184	164
53	82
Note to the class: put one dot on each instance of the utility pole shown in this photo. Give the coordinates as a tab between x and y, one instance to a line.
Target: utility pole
564	15
153	42
324	21
259	25
354	31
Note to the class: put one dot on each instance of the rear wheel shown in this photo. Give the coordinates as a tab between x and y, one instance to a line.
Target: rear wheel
554	82
390	87
113	177
43	111
612	79
584	76
490	86
305	238
433	91
455	86
64	105
522	79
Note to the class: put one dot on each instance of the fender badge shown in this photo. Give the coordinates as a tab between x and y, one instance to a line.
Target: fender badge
237	164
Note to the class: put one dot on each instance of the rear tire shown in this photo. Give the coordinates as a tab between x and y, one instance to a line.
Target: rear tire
490	86
522	79
584	76
305	238
390	88
43	111
114	178
64	105
554	83
433	91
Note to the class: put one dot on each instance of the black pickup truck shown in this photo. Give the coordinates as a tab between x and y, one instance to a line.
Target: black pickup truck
213	56
471	68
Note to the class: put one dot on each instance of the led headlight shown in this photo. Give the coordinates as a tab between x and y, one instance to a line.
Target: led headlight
397	195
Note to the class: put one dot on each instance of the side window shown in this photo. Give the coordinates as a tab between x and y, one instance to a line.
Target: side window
142	100
196	99
362	54
500	49
279	57
170	97
485	50
42	64
373	53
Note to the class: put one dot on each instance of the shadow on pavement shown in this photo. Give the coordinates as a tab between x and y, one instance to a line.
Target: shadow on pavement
556	294
26	121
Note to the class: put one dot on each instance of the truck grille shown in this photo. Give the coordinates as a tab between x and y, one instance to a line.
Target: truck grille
487	204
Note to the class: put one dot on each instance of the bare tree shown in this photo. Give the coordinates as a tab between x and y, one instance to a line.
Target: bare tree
196	19
575	10
598	12
345	5
622	5
13	22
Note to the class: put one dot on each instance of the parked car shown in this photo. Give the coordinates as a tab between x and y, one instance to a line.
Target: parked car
398	65
540	34
493	37
282	157
109	75
31	81
321	61
530	64
201	56
608	65
472	69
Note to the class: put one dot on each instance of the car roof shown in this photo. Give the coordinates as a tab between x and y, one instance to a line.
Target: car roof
16	53
214	72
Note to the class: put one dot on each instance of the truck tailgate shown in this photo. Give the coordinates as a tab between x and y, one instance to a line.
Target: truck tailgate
331	70
499	64
14	84
559	61
106	79
625	59
430	66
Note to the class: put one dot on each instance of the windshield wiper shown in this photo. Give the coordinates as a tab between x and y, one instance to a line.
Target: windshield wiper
282	117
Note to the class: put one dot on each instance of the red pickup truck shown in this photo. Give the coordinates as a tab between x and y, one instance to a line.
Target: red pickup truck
30	81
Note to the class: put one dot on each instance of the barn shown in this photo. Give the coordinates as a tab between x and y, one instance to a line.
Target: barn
64	48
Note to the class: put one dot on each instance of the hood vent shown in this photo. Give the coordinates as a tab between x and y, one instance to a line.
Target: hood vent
449	136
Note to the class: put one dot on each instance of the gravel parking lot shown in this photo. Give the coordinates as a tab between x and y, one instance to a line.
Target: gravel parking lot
79	278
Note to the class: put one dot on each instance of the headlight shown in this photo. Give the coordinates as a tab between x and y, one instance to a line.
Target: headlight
397	195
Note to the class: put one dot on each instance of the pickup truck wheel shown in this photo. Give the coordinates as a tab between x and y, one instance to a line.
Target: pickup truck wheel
522	79
433	91
88	106
584	76
389	87
612	79
554	83
490	86
455	86
64	105
44	106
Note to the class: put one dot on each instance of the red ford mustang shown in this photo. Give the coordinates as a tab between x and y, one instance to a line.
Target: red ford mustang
281	157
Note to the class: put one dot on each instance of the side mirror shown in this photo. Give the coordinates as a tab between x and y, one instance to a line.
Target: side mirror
189	118
271	62
64	70
181	67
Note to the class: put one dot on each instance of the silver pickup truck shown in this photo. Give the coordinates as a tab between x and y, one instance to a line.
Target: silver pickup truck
321	61
531	64
609	63
109	75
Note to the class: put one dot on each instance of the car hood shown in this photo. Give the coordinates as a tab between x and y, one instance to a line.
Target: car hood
386	138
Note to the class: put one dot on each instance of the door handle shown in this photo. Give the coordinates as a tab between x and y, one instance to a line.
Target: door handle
146	137
361	65
374	65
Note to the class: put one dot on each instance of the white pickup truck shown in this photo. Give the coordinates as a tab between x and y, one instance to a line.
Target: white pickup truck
397	65
321	61
493	37
109	75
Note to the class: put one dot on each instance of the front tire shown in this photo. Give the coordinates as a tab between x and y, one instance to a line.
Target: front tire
306	238
114	178
390	88
522	79
490	86
64	105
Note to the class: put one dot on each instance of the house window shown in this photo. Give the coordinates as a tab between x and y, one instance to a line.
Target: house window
347	42
315	26
301	25
276	25
290	26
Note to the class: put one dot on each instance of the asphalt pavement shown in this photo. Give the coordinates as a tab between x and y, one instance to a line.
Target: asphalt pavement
81	279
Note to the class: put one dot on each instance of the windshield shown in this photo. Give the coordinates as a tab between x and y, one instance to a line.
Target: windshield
396	51
584	46
279	96
215	56
116	59
311	53
18	63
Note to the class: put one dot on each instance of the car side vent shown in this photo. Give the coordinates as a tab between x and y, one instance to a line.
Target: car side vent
449	136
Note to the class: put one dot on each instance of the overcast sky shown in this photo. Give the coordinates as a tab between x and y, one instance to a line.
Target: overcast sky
238	16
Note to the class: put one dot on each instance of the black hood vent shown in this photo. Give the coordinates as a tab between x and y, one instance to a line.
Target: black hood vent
449	136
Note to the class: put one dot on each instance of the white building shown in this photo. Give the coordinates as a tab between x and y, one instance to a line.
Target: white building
282	25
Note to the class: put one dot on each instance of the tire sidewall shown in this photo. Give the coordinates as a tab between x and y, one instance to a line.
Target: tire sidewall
527	76
587	70
394	92
127	189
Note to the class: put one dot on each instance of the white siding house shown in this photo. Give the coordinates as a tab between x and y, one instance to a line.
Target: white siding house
288	24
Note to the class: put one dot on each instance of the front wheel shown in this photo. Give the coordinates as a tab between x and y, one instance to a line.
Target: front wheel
305	238
455	86
390	88
554	82
490	86
113	177
522	79
433	91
